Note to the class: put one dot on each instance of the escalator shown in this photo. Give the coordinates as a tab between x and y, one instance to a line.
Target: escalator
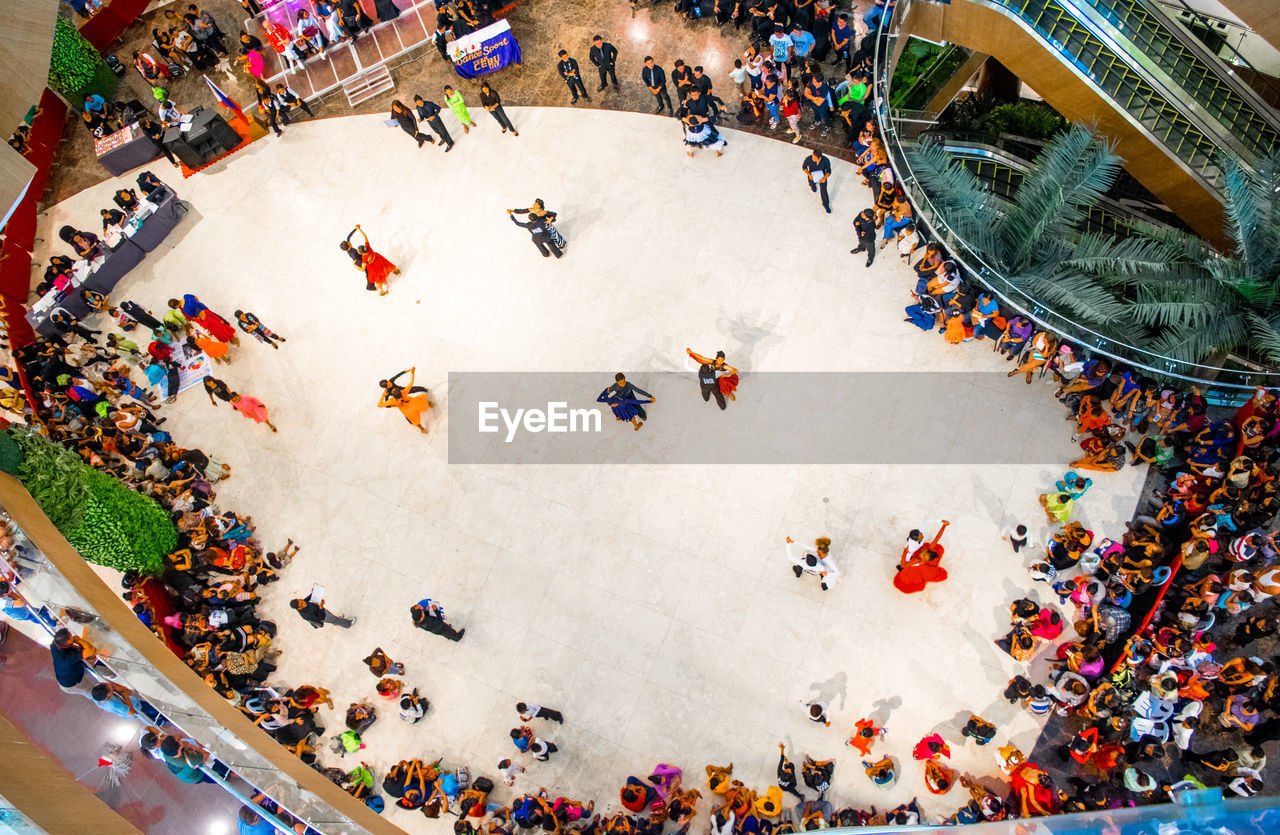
1171	106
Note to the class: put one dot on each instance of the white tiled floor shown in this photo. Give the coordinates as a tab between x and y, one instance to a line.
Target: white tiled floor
662	634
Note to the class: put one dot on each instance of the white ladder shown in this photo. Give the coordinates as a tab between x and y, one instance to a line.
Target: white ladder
368	84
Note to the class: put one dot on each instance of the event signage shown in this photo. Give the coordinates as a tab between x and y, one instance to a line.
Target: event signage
484	50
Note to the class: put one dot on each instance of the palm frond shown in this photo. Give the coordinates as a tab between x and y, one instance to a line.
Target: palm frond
1251	212
1068	177
969	209
1264	335
1081	296
1195	344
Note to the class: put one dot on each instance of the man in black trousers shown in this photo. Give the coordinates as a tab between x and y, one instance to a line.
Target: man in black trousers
817	169
655	78
605	56
541	237
428	615
429	112
568	69
865	226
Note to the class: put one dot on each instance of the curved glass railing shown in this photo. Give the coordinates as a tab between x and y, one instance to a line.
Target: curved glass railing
1010	294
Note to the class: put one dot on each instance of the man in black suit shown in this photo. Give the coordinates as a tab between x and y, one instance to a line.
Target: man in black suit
655	78
605	56
429	112
568	69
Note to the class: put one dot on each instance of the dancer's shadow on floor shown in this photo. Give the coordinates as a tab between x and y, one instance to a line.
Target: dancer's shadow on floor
882	708
836	687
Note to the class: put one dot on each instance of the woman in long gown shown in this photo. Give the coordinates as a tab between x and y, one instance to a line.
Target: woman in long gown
412	401
700	133
624	409
252	408
919	566
375	266
196	310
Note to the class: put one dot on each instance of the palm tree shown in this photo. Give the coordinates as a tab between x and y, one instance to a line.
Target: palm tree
1203	304
1033	240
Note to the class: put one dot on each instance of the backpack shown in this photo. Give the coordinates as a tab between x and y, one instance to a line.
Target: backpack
483	784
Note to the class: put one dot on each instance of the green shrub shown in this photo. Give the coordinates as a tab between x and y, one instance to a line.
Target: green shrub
10	455
76	68
1033	120
54	477
123	529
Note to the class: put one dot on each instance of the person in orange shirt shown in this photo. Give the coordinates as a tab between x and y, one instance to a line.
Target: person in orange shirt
864	736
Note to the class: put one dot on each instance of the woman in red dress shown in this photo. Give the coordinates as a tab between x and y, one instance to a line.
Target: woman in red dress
376	267
918	565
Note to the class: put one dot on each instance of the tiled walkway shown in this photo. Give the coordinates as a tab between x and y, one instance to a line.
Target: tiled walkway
652	604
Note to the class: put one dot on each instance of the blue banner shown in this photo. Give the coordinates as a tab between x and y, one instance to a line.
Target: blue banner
488	54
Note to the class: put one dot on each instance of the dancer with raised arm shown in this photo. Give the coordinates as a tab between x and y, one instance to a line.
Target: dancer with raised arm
918	565
412	401
376	267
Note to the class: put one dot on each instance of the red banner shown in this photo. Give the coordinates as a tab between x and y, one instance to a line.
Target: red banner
20	232
102	29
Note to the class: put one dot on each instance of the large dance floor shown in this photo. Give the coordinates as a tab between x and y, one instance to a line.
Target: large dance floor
652	603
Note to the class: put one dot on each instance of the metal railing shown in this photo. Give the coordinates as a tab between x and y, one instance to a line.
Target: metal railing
1010	295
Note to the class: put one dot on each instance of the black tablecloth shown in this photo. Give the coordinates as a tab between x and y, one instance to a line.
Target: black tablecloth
159	223
116	263
130	155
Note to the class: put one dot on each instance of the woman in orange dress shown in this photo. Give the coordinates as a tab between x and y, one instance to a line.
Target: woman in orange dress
726	375
377	269
918	566
411	400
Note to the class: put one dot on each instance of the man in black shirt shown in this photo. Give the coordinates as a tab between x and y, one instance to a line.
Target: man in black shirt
317	615
695	105
541	237
568	69
682	77
865	225
655	78
703	84
440	39
289	100
817	169
605	56
155	133
429	112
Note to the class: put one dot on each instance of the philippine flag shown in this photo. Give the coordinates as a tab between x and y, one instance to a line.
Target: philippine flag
223	98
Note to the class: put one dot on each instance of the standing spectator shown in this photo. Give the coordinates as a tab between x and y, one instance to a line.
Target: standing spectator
818	94
155	133
738	75
604	56
568	69
492	102
270	108
865	227
770	92
429	112
453	99
68	660
781	45
842	40
317	615
184	759
655	78
440	38
429	615
791	112
529	712
801	43
682	77
819	165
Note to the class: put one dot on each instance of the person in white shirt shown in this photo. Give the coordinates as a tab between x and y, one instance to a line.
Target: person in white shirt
311	30
754	61
739	76
819	563
1018	536
510	771
170	113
